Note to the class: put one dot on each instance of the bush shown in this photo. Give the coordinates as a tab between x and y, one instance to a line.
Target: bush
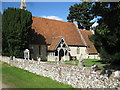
116	59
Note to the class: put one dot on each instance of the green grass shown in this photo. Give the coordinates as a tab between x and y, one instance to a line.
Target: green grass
93	61
19	78
87	62
51	61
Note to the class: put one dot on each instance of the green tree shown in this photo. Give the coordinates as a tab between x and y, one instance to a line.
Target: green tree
0	33
16	24
82	14
107	33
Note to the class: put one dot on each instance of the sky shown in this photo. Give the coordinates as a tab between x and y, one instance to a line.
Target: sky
51	10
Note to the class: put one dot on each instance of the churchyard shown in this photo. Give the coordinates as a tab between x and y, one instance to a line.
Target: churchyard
86	62
75	76
90	62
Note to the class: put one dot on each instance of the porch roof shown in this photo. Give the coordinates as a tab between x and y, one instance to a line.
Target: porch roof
54	43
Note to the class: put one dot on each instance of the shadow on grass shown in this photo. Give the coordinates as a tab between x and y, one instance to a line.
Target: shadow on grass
100	61
113	67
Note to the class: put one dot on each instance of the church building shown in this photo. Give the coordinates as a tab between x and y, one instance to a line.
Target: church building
59	40
54	40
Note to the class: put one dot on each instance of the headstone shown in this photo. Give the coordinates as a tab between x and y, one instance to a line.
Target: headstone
80	63
39	59
26	54
117	74
13	57
56	59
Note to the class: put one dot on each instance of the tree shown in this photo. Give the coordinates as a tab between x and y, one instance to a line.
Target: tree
0	33
82	14
107	33
16	24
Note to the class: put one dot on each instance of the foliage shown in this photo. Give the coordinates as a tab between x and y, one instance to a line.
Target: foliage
16	24
18	78
107	33
82	14
0	33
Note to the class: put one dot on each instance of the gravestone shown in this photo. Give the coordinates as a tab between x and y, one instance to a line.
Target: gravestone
26	54
13	57
56	60
39	59
81	63
117	74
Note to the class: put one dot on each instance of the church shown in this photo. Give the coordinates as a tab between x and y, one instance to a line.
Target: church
55	40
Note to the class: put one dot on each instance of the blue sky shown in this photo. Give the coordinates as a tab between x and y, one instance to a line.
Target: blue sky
55	10
51	10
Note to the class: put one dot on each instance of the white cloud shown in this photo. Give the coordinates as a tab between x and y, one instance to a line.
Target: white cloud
95	24
53	17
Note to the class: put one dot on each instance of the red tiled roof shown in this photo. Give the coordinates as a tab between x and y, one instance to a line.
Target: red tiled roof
91	49
54	43
54	28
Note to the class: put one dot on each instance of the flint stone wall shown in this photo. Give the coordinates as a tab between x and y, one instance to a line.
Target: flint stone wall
72	75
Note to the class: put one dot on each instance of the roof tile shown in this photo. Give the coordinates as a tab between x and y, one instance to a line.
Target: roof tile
54	28
91	49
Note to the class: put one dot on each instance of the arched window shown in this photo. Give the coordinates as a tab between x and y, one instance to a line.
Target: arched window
78	50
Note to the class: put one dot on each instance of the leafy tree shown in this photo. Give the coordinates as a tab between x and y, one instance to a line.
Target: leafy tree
16	24
107	33
0	33
82	14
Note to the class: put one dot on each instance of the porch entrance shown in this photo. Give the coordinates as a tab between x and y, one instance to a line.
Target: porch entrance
61	54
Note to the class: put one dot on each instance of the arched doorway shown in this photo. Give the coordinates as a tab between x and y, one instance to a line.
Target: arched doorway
61	54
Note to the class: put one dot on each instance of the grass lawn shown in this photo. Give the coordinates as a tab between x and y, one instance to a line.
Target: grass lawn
87	62
18	78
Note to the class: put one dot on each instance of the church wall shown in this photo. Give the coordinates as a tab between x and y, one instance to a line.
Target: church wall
43	52
82	50
38	50
34	51
52	57
96	56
